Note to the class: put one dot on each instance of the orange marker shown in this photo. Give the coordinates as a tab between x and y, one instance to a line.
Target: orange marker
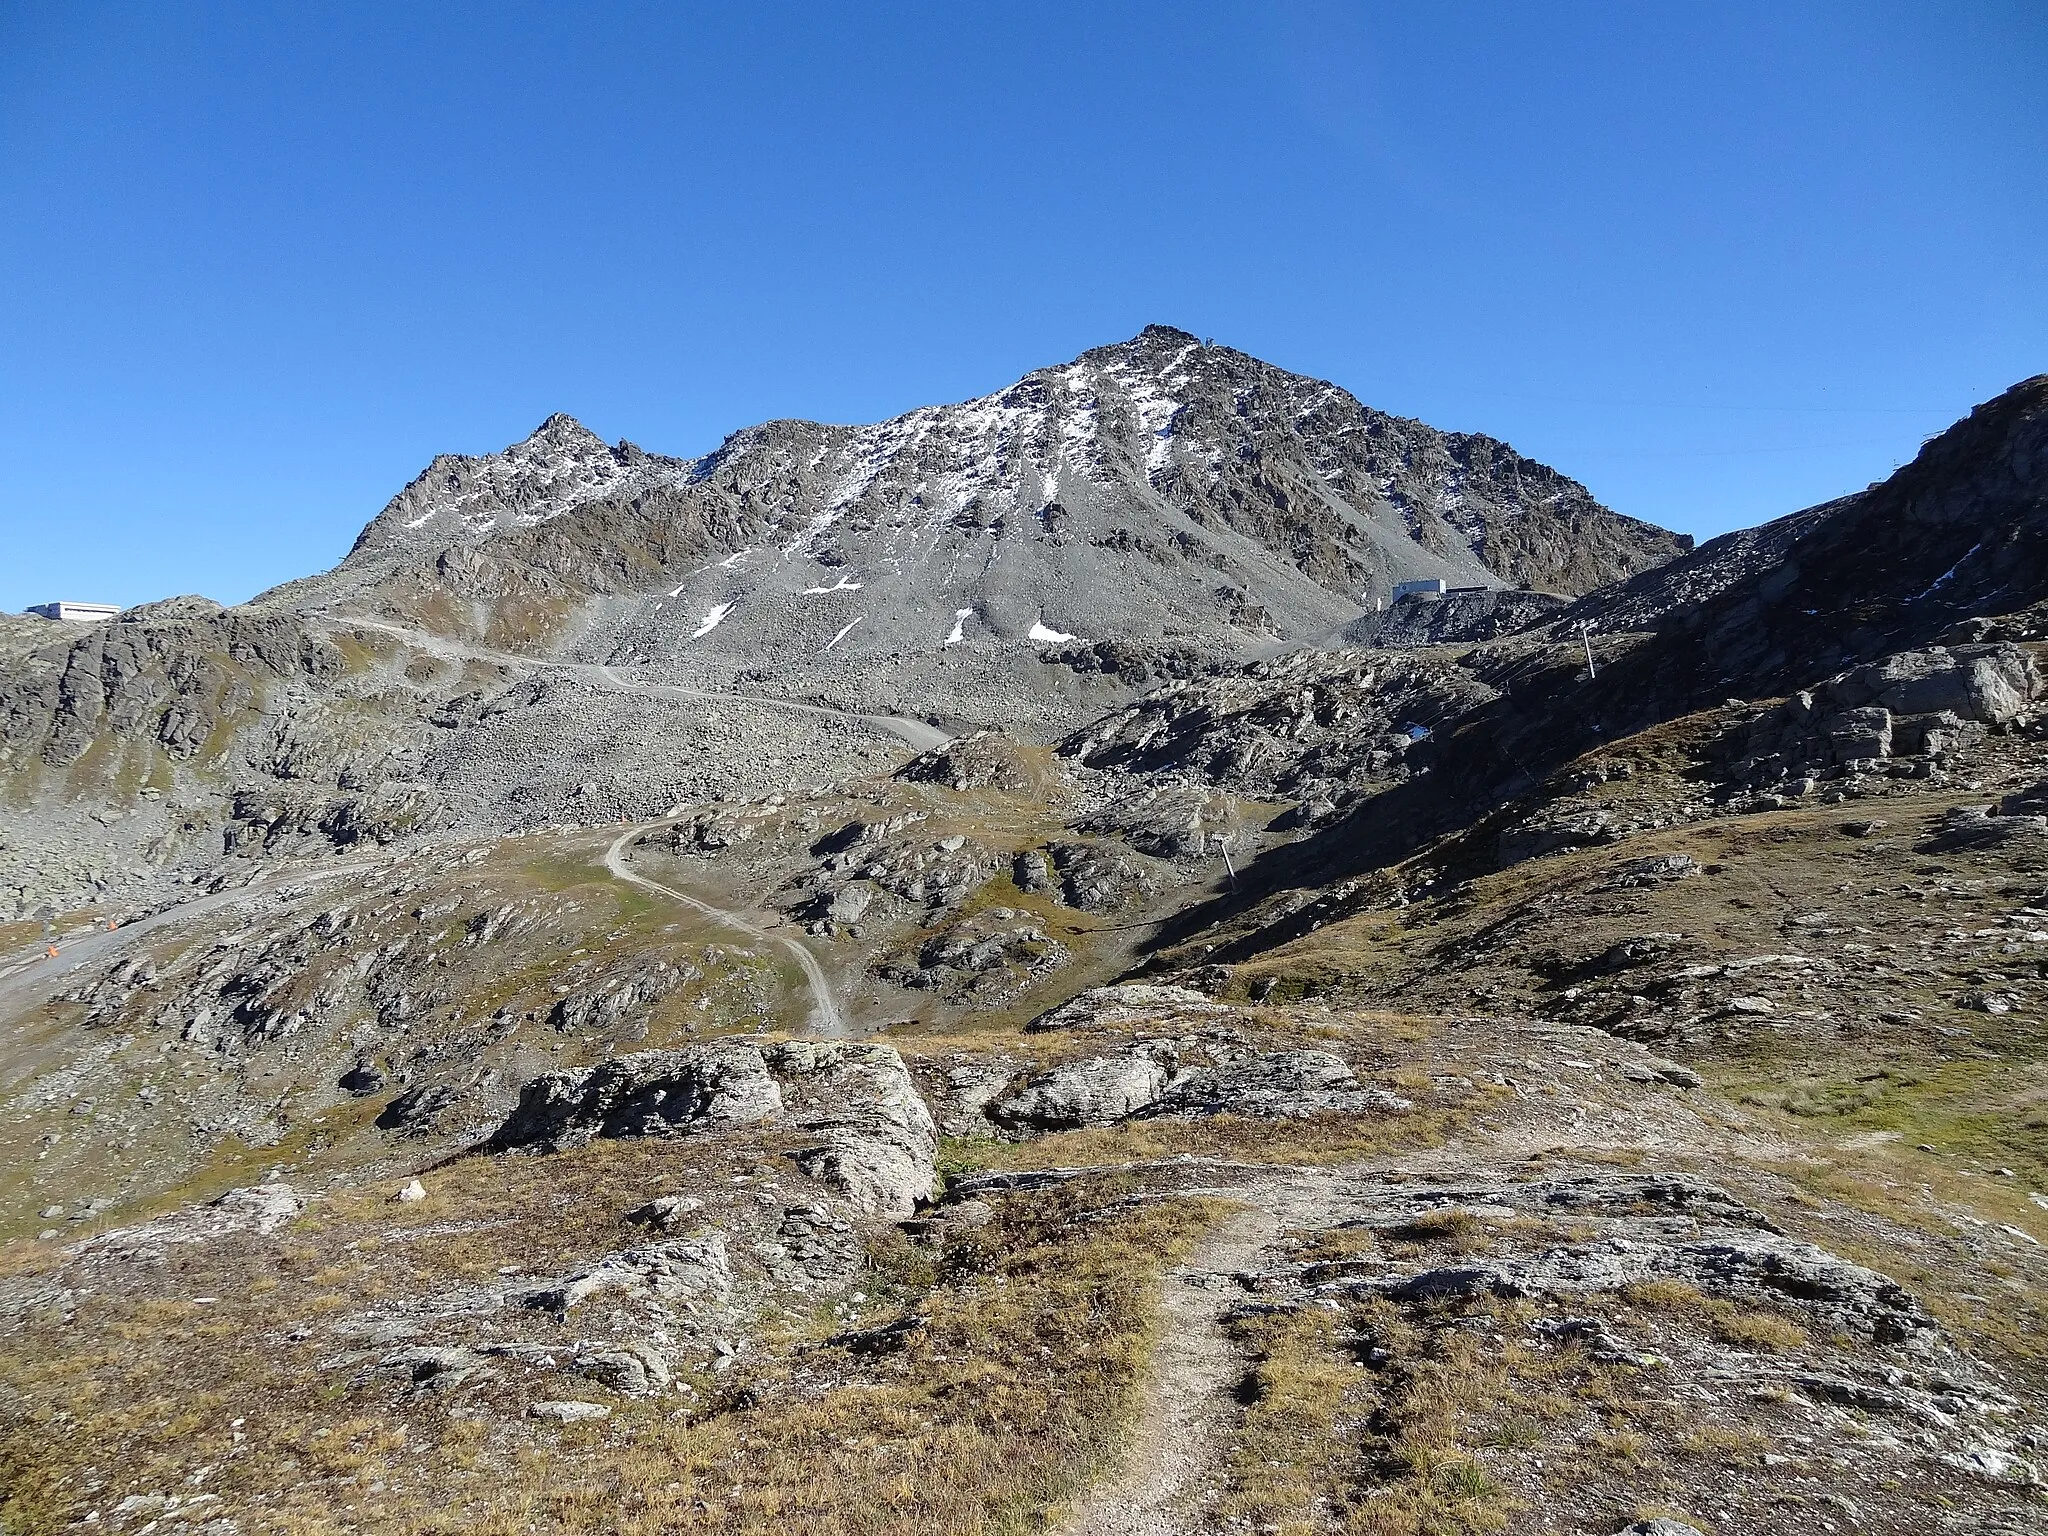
112	925
53	951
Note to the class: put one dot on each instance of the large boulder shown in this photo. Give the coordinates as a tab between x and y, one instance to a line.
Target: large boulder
1099	1091
876	1141
1986	683
1275	1085
650	1093
878	1146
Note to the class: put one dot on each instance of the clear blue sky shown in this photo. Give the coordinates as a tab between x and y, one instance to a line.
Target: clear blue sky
258	263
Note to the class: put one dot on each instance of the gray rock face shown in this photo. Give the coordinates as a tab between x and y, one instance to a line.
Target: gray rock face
1274	1085
621	1000
977	760
1986	683
1736	1253
1915	703
1165	820
666	1211
968	1088
1324	729
1981	826
1165	1077
432	1367
690	1267
1138	513
569	1412
652	1093
1127	1001
847	904
460	498
1098	877
810	1247
1454	617
1161	421
1098	1091
261	1208
634	1369
877	1143
989	956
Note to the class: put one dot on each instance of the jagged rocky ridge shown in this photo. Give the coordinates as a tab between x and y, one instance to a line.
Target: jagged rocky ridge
1148	510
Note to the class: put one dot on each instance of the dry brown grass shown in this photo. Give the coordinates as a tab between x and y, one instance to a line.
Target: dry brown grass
1013	1390
1731	1324
1453	1420
1392	1451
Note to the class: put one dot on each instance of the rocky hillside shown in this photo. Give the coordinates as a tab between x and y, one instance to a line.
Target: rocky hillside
1180	501
567	630
1162	435
1425	1084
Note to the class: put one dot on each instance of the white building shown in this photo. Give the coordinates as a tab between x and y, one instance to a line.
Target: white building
77	613
1407	589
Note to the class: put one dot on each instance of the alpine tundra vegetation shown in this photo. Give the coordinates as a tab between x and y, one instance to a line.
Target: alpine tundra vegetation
981	974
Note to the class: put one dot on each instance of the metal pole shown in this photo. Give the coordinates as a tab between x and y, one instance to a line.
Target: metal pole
1586	639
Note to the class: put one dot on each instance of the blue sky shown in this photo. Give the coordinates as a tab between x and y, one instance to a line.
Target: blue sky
260	262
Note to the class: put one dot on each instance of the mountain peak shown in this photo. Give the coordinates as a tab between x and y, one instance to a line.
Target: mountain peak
560	429
1230	461
460	497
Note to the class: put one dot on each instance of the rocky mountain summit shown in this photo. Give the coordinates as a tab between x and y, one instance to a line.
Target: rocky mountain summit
1178	501
957	975
1178	442
532	637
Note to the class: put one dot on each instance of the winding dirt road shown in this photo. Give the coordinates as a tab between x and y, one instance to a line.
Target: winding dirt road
30	976
826	1018
920	735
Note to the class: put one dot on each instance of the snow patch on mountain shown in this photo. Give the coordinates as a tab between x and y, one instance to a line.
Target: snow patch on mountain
712	620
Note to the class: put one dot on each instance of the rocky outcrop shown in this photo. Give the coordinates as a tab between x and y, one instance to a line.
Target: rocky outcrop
1323	729
1986	683
1100	877
1454	617
977	760
1159	1078
993	954
170	673
1914	704
652	1093
260	1209
686	1268
875	1143
1720	1248
1096	1091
